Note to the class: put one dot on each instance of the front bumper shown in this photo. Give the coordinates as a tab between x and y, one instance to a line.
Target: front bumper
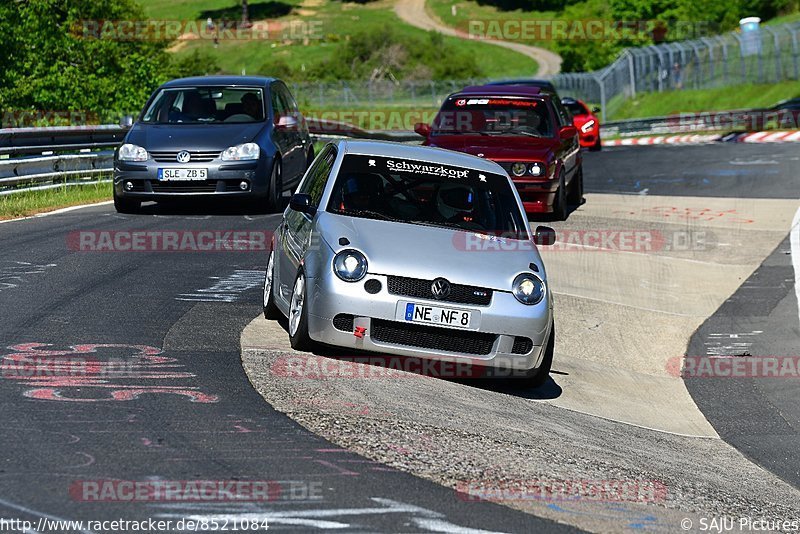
537	196
224	179
589	138
504	322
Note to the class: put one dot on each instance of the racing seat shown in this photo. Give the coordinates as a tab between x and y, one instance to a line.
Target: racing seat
362	191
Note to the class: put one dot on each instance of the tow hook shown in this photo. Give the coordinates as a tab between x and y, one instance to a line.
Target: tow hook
360	331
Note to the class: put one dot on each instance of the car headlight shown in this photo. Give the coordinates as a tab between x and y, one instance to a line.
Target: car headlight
518	169
528	288
536	169
241	152
588	125
129	152
350	265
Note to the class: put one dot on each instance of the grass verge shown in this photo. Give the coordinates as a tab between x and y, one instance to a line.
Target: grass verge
335	21
702	100
27	203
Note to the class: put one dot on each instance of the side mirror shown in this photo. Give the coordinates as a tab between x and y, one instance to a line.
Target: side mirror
422	129
286	122
567	132
595	110
302	203
544	236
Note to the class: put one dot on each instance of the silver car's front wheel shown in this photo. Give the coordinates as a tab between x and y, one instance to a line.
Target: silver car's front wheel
296	307
298	316
270	309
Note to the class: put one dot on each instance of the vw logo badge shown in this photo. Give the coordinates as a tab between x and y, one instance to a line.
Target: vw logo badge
440	288
183	156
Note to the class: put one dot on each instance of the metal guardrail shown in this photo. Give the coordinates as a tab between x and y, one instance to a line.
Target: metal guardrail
30	158
37	157
25	141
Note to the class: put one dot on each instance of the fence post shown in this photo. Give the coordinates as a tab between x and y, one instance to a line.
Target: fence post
741	56
602	85
724	59
711	60
631	71
776	45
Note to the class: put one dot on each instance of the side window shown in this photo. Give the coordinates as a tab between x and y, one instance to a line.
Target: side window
317	177
289	100
564	116
279	108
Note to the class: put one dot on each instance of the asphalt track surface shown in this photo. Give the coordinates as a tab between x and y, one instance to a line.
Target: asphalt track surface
156	391
125	414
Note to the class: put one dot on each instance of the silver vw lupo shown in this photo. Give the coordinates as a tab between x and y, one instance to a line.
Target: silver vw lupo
413	252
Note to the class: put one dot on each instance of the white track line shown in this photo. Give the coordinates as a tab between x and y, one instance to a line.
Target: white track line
56	212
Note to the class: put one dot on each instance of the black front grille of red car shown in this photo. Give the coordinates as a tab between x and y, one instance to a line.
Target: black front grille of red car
431	337
171	156
522	345
461	294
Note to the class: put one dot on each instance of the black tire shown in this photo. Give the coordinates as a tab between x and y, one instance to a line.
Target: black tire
271	311
275	188
537	377
575	194
125	205
560	204
597	146
300	340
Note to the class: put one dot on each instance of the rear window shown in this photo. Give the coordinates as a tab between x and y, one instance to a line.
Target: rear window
494	116
575	108
426	193
206	105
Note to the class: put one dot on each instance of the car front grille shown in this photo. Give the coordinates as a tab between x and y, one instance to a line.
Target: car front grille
522	345
207	186
431	337
343	322
461	294
171	156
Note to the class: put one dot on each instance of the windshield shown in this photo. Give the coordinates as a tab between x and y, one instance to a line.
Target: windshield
576	108
425	193
494	116
206	105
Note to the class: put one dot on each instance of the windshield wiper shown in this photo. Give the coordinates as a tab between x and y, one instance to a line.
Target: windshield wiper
443	224
366	213
519	132
457	132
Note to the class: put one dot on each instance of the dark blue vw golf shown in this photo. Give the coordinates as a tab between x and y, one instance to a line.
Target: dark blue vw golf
235	136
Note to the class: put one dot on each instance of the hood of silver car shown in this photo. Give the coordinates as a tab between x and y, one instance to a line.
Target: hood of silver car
427	252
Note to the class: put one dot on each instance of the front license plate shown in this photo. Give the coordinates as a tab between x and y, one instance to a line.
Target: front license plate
174	174
449	317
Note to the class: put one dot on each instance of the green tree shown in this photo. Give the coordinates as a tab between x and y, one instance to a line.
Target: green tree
51	59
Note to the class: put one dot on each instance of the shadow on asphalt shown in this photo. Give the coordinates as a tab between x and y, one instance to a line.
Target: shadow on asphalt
548	391
211	207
